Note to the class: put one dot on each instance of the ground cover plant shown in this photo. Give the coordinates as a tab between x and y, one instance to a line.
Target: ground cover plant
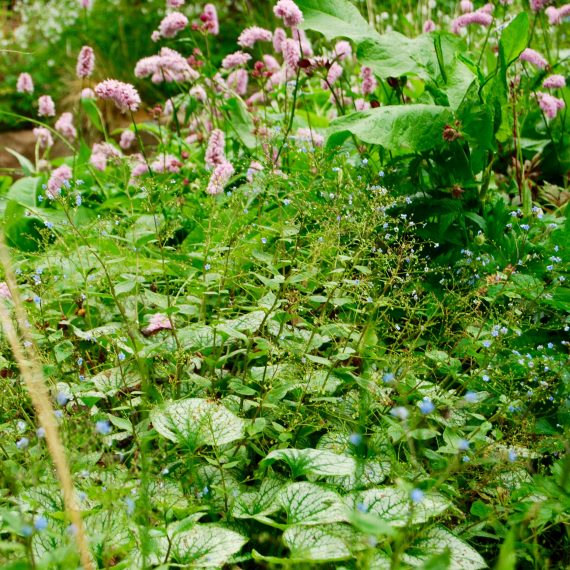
298	301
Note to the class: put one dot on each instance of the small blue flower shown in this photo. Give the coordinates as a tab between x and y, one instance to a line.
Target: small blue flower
426	406
130	505
207	267
417	496
355	438
27	530
40	523
512	455
486	343
121	356
400	412
466	459
263	240
41	432
388	377
103	427
463	444
361	507
61	399
23	443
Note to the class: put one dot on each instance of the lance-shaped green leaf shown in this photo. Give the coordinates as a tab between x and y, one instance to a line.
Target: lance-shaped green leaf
206	546
394	505
317	544
313	462
414	128
514	40
436	540
334	19
310	504
197	422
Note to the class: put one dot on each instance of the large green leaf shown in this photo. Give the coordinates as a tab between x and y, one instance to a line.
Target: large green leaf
258	504
413	128
206	546
514	40
314	543
24	191
197	422
311	504
334	19
394	505
436	540
313	462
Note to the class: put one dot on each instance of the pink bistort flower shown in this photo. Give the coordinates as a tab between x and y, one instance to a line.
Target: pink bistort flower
127	139
537	5
238	80
480	17
271	64
209	17
124	95
64	126
556	15
43	137
550	104
220	177
369	82
334	73
291	53
101	152
307	135
167	66
279	36
215	153
532	56
166	163
171	24
250	36
87	93
85	62
158	322
57	179
289	12
554	82
235	59
466	6
25	83
174	3
343	50
429	26
46	106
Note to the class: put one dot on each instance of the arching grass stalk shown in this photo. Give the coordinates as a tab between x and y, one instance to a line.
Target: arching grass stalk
139	139
25	354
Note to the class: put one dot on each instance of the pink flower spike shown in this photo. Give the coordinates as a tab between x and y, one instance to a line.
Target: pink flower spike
124	95
215	153
532	56
5	291
158	322
250	36
238	80
235	59
87	93
86	4
289	12
279	36
43	137
481	18
343	50
549	104
166	163
127	139
429	26
210	18
174	3
369	82
220	177
537	5
46	106
25	83
57	179
554	82
85	62
307	135
64	126
291	54
171	24
271	63
466	6
335	71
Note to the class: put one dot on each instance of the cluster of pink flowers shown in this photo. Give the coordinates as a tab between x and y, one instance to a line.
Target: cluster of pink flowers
220	177
101	153
158	322
550	104
556	15
59	177
554	82
307	135
85	62
279	36
532	56
25	83
209	18
255	167
43	137
87	93
124	95
46	106
343	50
429	26
289	12
369	82
140	167
166	163
291	53
215	153
250	36
466	6
235	59
171	24
168	65
482	17
174	3
238	80
64	126
127	139
537	5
